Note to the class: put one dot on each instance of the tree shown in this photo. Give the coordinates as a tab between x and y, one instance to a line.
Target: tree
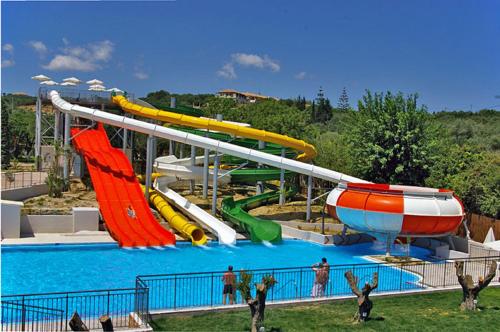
391	139
343	103
6	134
365	305
258	303
322	112
55	180
471	291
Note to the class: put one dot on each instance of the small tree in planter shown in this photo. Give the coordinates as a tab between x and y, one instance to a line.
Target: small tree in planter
258	303
471	291
365	305
55	180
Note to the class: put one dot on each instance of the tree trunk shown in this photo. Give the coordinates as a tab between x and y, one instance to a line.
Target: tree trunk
471	291
365	305
76	323
106	323
257	307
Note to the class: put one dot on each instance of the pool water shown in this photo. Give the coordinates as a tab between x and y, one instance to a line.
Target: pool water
58	268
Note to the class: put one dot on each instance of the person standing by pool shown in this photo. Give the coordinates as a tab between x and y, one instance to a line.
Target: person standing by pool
320	280
229	280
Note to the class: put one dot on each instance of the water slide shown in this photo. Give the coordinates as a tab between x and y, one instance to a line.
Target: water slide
355	198
224	233
121	201
309	152
223	132
187	230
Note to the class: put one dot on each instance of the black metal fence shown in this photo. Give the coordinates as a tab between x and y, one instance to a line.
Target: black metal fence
175	291
53	311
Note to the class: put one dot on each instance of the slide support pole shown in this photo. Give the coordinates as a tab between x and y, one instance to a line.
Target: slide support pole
205	173
193	161
260	185
309	196
149	165
282	180
214	184
38	131
67	152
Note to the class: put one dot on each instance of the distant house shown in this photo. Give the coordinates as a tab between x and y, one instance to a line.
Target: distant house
243	97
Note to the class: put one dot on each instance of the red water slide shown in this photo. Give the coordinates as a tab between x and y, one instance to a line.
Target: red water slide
121	201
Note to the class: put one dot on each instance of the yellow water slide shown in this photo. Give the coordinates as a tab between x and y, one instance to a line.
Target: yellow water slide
176	220
308	150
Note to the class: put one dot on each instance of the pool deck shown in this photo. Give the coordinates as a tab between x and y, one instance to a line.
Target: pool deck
79	237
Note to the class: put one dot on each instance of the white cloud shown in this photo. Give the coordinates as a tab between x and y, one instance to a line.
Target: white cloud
39	47
69	62
247	60
141	75
300	76
254	60
7	63
82	58
9	48
65	41
227	71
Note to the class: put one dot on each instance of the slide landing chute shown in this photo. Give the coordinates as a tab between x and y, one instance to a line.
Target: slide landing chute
121	200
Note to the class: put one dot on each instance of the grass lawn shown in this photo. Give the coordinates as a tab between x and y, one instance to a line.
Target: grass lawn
425	312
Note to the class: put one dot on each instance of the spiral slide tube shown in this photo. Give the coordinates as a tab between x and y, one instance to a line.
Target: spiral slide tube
309	152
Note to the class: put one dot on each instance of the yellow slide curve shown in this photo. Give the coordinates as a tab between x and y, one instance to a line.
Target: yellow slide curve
176	220
309	152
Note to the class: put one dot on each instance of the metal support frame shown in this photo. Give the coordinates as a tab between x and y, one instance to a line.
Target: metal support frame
193	162
38	132
181	151
57	119
205	172
282	180
215	183
309	194
260	185
149	165
67	142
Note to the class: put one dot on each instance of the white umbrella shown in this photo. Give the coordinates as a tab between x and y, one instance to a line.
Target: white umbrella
68	84
96	89
94	81
97	86
40	78
49	83
114	90
72	80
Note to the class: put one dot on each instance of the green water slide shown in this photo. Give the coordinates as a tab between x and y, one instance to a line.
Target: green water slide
259	229
237	211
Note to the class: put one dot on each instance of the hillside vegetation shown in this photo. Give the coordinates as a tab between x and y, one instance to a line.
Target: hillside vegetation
387	138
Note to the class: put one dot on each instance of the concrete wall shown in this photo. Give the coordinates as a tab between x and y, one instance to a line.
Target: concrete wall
82	219
85	219
11	218
20	194
46	224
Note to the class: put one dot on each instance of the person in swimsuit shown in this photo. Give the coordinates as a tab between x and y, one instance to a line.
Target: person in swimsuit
131	212
229	280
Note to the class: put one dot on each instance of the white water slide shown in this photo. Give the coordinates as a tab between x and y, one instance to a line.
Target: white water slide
199	141
225	233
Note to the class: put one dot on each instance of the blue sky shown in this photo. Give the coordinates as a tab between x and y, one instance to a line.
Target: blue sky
447	51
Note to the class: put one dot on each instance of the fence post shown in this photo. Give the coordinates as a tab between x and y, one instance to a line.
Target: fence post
67	309
300	284
107	311
175	291
400	277
23	316
212	291
444	274
423	275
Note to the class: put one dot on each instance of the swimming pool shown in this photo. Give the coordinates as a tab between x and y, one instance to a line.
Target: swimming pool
58	268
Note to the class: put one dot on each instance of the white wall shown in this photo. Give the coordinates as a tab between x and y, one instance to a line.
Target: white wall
82	219
10	212
20	194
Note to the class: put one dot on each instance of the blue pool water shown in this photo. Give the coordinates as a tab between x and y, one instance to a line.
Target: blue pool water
58	268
